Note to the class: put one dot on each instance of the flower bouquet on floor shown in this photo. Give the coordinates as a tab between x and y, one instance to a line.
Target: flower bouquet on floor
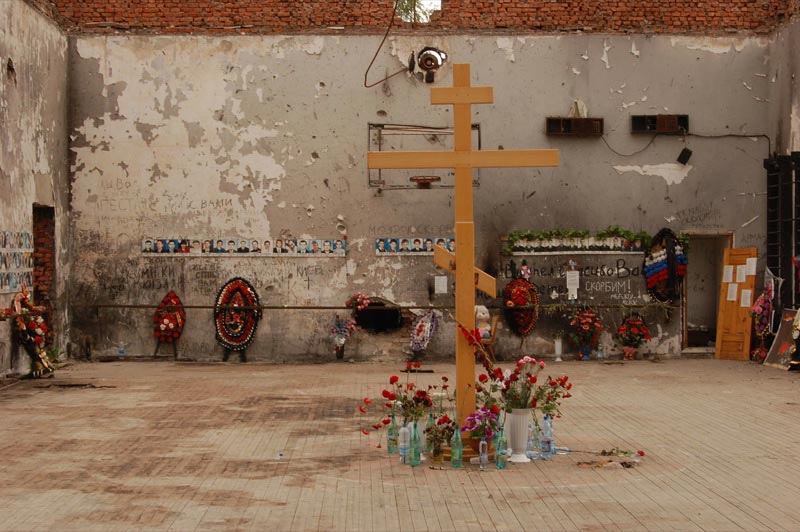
584	330
631	334
483	424
341	331
437	436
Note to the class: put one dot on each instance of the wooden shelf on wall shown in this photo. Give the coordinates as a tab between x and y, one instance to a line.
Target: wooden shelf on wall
574	127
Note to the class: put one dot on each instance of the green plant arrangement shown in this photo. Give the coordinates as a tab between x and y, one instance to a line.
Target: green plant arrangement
612	238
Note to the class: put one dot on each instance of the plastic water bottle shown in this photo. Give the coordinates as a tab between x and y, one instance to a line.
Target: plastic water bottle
404	443
483	451
601	354
429	441
501	454
456	448
392	435
121	349
546	438
415	454
532	446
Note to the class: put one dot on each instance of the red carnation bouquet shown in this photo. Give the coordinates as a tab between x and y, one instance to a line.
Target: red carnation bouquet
632	332
584	328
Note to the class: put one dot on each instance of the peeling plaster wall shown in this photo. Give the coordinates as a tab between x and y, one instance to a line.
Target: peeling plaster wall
267	137
786	88
33	141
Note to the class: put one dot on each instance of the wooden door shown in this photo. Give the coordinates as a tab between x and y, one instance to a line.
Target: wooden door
735	299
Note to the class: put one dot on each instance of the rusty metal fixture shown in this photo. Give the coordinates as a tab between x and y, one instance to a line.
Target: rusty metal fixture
424	181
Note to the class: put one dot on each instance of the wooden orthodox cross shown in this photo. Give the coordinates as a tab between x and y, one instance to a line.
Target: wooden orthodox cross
461	96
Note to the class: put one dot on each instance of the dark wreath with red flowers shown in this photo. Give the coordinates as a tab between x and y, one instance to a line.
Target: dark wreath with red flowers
236	327
169	319
520	298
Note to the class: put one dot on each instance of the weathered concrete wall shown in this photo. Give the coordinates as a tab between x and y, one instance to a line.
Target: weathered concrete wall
786	88
33	138
267	137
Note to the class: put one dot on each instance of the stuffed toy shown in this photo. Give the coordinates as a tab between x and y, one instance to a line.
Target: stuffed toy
483	321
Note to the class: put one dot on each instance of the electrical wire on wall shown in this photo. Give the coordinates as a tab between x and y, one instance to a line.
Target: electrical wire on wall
629	154
698	135
385	35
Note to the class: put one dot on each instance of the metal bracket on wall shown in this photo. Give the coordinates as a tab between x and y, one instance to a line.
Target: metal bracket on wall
390	137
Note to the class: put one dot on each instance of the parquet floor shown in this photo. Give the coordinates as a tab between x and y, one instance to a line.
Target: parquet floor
165	446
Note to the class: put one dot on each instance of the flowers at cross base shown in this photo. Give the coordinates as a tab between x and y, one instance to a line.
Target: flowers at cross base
632	332
585	327
484	423
438	435
547	397
522	387
406	399
518	386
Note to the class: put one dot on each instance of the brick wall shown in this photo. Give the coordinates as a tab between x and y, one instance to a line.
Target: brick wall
44	253
286	16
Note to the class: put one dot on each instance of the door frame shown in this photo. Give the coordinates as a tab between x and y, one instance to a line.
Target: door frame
709	233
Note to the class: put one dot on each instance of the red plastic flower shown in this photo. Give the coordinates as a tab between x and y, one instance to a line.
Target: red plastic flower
365	432
640	453
362	409
393	379
367	401
386	421
495	409
483	377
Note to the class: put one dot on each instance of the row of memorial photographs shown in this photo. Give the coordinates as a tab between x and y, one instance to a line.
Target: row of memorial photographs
423	245
13	281
15	240
15	260
280	246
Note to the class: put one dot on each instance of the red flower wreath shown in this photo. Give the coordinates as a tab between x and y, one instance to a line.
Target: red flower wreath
521	293
169	319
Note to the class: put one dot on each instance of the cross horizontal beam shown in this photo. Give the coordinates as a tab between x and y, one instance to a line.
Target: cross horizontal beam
456	95
469	159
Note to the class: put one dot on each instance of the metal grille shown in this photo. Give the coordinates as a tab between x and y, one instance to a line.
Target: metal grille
783	222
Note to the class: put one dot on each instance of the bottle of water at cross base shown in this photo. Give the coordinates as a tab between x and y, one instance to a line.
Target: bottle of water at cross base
547	438
415	454
404	443
456	448
483	451
392	434
532	446
429	441
501	454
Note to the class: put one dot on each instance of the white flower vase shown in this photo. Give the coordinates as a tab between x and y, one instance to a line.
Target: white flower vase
517	422
559	347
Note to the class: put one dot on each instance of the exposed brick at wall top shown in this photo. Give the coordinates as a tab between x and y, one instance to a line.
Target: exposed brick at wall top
44	251
287	16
